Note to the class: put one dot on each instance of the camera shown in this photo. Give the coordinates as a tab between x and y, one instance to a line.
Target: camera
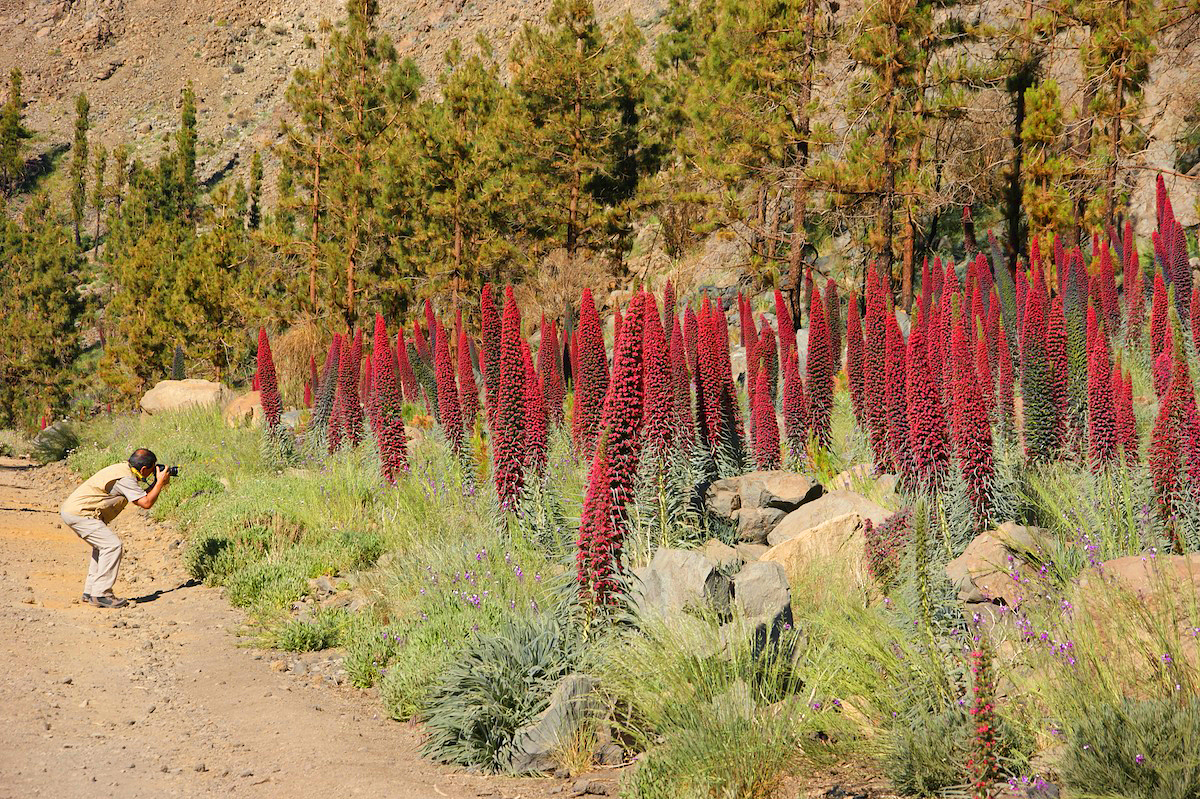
172	471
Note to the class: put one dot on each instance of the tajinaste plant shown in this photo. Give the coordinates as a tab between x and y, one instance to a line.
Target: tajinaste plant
623	407
819	367
509	432
447	389
766	428
536	441
929	454
389	419
854	359
591	381
681	387
489	331
658	422
468	392
271	404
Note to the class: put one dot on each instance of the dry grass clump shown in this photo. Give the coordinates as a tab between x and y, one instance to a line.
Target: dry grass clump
291	351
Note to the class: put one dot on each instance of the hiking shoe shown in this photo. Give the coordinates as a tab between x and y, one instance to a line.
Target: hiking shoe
87	599
109	602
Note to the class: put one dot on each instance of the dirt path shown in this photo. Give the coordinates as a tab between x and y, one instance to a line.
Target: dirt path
162	699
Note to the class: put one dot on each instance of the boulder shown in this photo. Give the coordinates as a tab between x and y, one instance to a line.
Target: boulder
751	552
175	395
722	498
990	568
574	704
755	524
244	411
856	476
293	419
830	506
677	579
834	545
781	490
721	554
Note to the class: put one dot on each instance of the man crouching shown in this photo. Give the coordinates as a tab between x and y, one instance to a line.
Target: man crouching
97	502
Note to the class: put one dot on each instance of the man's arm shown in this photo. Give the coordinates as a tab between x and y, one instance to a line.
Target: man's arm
160	482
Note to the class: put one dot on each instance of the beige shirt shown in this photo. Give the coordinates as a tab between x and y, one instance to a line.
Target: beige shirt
105	494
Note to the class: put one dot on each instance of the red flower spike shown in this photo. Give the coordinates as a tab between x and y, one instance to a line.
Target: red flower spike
256	382
1041	414
618	321
929	456
368	394
601	534
749	339
349	414
489	355
766	357
536	445
1123	420
895	378
833	317
972	433
658	420
1108	290
421	343
783	321
431	324
271	404
1005	400
820	375
1161	369
983	370
691	338
1158	317
1102	424
509	447
554	390
623	408
709	383
875	351
591	377
1167	440
766	428
795	405
1056	348
408	379
447	391
1181	271
681	383
854	358
668	316
468	392
308	394
388	418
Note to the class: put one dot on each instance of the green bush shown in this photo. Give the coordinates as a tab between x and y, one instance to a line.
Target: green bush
929	754
369	650
496	685
1136	748
322	631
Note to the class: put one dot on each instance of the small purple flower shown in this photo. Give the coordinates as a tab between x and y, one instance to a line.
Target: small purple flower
1139	759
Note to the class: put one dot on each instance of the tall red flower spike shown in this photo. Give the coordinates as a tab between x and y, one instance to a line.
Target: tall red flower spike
819	367
1195	320
368	393
308	398
709	384
468	392
833	317
1005	400
489	355
1041	413
421	343
271	404
591	379
1108	290
658	422
767	357
431	324
972	433
1167	440
256	382
749	339
1056	347
1161	369
536	441
691	339
1181	271
447	391
854	358
406	376
1158	317
894	395
783	322
929	455
349	414
509	447
668	316
983	368
681	387
1102	424
875	353
598	548
623	408
1127	438
618	321
549	369
795	405
389	420
766	428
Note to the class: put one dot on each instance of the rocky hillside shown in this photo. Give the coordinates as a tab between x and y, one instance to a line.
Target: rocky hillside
132	57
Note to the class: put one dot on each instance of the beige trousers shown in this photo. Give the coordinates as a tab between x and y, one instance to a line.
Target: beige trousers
106	553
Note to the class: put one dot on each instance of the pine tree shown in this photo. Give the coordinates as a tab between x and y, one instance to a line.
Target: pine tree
254	212
1045	197
79	166
12	135
99	195
186	139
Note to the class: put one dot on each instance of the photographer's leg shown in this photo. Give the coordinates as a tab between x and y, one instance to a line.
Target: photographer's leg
106	554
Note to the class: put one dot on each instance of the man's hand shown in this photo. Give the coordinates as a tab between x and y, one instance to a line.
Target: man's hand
162	475
161	478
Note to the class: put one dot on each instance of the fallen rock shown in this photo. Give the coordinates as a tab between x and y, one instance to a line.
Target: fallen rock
574	704
755	524
990	568
677	579
829	506
175	395
835	546
781	490
721	554
244	411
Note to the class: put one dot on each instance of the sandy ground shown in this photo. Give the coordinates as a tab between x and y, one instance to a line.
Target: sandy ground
163	699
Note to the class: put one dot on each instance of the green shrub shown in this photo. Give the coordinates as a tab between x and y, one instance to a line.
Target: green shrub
322	631
496	685
929	754
1136	748
369	651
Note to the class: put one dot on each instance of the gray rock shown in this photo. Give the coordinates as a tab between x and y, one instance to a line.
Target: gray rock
761	596
722	498
754	525
723	555
573	704
831	505
778	489
751	552
291	419
676	580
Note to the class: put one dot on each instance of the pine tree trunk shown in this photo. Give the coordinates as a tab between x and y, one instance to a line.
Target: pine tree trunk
1114	133
314	212
576	156
799	184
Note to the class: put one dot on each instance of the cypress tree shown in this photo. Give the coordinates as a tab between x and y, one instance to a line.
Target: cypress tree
12	135
98	192
186	139
79	165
